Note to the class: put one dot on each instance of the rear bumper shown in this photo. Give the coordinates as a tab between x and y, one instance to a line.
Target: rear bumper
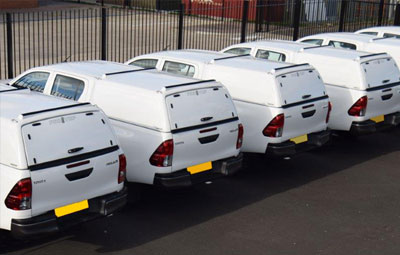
369	126
289	148
48	223
183	178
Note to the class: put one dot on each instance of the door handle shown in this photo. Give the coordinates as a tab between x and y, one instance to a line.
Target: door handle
79	175
387	97
208	139
75	149
308	114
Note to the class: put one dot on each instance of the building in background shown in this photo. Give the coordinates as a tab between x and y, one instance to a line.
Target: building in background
17	4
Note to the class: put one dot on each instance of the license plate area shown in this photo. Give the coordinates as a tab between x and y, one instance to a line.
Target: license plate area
300	139
200	168
379	118
72	208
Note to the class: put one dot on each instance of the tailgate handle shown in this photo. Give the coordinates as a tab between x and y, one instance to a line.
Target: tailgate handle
387	97
308	114
79	175
75	150
206	118
208	139
306	96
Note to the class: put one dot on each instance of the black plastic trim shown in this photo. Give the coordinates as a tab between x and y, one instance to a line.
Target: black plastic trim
317	46
129	71
215	123
286	67
188	83
54	109
394	84
305	102
373	55
10	90
72	159
236	56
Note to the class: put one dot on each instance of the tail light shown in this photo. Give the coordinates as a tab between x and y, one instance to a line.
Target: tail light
329	112
20	197
122	168
275	127
359	108
239	141
162	157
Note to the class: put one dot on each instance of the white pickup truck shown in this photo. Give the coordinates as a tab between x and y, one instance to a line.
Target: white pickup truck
175	131
60	163
364	88
284	108
360	42
383	32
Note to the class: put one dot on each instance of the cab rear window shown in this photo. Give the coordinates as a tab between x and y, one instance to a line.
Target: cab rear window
178	68
67	87
145	63
342	45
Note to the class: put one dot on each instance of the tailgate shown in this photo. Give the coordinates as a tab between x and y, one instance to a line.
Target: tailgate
304	102
383	100
204	125
383	86
380	71
72	158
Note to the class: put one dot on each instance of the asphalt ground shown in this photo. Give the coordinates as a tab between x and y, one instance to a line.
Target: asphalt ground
343	199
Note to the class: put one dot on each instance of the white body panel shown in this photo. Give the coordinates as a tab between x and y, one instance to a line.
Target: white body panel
362	42
136	104
256	88
383	31
348	75
29	144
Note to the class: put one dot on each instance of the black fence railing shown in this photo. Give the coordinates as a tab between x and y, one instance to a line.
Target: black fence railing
122	29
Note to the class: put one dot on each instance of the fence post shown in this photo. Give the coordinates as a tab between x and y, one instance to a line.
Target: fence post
10	58
343	8
397	15
180	32
296	20
103	34
244	20
380	14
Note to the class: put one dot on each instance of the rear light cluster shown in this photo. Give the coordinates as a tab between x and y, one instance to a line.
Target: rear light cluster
239	141
162	157
20	197
359	108
122	168
329	112
275	127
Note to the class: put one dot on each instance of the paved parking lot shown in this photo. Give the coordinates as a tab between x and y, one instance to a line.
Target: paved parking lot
343	199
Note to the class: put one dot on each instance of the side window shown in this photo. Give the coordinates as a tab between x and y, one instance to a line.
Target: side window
369	33
271	55
387	35
36	81
313	41
342	45
67	87
178	68
238	51
145	63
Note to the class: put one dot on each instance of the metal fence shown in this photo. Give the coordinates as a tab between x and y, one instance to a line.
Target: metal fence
122	29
